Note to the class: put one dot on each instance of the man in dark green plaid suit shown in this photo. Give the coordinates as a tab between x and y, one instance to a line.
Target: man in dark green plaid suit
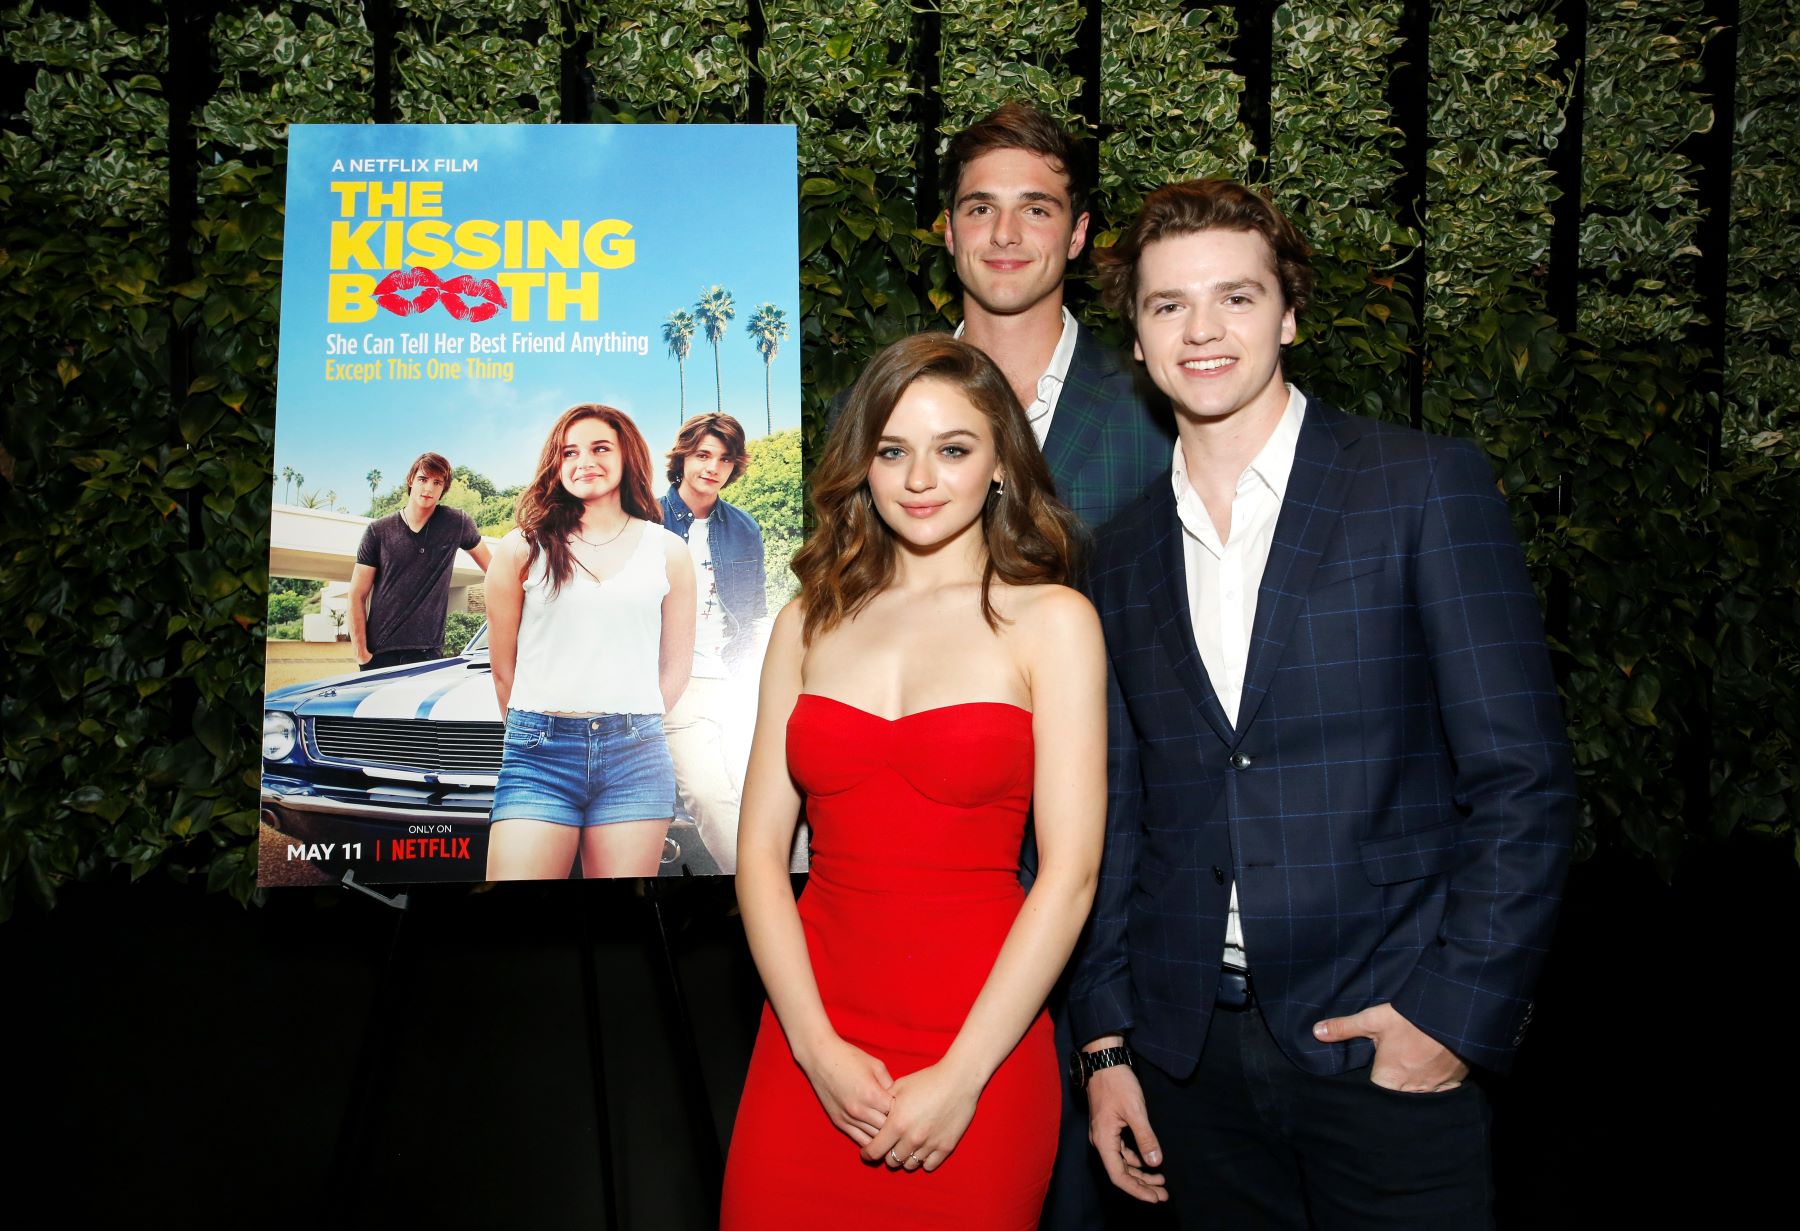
1015	216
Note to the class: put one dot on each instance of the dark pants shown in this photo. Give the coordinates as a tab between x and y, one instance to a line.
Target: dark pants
1078	1189
1251	1141
396	658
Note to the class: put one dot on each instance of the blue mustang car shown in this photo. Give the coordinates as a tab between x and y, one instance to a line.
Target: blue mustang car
406	751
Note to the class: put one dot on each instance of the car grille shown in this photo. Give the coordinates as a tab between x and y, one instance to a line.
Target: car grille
405	743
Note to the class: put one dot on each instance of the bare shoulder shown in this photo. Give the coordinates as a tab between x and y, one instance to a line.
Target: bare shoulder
1048	613
512	547
790	621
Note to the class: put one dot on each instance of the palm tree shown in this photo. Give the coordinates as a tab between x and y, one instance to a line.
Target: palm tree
299	482
768	328
287	480
714	311
374	478
678	336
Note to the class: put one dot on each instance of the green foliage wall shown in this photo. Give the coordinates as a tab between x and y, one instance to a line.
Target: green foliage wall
141	174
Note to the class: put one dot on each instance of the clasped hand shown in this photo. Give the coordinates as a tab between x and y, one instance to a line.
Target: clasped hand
912	1123
931	1110
853	1087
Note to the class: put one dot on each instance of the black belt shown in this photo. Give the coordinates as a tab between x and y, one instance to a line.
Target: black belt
1235	992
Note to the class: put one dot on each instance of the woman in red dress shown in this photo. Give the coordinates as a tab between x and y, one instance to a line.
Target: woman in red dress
935	679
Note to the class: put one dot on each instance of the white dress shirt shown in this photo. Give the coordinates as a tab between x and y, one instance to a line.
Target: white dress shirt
1050	384
1223	578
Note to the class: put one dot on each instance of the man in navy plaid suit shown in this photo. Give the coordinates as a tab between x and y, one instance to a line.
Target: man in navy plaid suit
1341	793
1015	215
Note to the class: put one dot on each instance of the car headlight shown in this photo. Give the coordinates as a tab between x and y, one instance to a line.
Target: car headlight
278	735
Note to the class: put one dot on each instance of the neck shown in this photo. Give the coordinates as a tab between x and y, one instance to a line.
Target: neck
958	562
602	517
417	515
1220	448
698	505
1021	343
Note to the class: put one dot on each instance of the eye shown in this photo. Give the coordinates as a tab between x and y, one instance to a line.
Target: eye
1238	301
1163	308
955	451
890	453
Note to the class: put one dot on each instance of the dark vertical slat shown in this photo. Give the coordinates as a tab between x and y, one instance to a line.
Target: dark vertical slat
572	70
1252	54
378	15
1564	296
1713	151
928	113
1087	63
1409	102
754	39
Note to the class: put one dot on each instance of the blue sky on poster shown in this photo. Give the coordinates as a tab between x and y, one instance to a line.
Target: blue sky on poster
706	204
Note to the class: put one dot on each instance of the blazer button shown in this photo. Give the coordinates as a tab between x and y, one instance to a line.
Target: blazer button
1240	761
1218	875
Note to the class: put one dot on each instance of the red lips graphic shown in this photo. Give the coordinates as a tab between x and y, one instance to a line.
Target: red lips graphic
434	292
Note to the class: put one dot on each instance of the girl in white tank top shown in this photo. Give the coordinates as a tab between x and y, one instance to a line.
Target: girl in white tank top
591	625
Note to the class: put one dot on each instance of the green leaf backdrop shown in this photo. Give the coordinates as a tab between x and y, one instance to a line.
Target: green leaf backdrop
1516	234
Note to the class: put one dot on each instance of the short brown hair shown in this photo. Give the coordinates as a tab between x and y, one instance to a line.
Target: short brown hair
1018	126
435	466
1204	205
1031	537
687	442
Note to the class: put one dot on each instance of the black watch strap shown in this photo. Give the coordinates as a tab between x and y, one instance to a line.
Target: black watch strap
1084	1064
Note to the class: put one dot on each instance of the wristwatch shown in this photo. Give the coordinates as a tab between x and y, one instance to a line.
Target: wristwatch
1084	1064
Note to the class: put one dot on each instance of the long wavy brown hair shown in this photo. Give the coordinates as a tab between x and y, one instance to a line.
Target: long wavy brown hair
547	513
1031	537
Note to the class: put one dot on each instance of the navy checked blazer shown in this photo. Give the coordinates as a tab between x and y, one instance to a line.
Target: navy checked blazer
1396	804
1111	434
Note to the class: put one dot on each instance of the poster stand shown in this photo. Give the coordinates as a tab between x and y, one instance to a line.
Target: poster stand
381	1022
708	1159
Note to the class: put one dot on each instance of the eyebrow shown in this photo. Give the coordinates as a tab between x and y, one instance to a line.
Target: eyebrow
1217	288
1034	195
955	431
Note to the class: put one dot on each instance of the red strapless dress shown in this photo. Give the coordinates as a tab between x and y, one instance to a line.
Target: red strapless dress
916	825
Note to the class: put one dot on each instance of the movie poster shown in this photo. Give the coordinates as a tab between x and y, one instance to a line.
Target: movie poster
450	296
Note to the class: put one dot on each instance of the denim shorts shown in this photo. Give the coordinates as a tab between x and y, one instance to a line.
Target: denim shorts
584	771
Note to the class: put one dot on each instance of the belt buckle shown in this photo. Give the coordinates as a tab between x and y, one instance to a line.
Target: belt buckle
1234	992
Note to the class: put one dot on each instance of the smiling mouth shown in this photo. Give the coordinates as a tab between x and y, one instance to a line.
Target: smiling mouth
922	510
1207	365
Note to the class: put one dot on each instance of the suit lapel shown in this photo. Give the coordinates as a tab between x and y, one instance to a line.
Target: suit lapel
1168	598
1310	511
1080	413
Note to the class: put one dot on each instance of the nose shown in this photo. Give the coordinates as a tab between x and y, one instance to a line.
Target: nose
1200	326
1006	229
920	476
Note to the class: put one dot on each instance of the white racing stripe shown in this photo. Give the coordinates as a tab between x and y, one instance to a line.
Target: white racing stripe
471	699
402	698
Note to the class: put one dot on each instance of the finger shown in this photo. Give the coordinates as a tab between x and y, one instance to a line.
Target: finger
1337	1029
858	1134
935	1159
1130	1156
881	1074
878	1146
1143	1137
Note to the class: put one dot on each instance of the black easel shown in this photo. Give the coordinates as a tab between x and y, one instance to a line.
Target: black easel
347	1163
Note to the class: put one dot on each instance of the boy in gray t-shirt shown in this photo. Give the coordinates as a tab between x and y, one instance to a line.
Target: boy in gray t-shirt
400	587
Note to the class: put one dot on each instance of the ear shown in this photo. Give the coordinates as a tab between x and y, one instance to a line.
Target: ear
949	235
1137	347
1078	237
1288	327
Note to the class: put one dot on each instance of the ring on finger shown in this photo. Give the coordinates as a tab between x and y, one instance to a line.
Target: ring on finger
894	1157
